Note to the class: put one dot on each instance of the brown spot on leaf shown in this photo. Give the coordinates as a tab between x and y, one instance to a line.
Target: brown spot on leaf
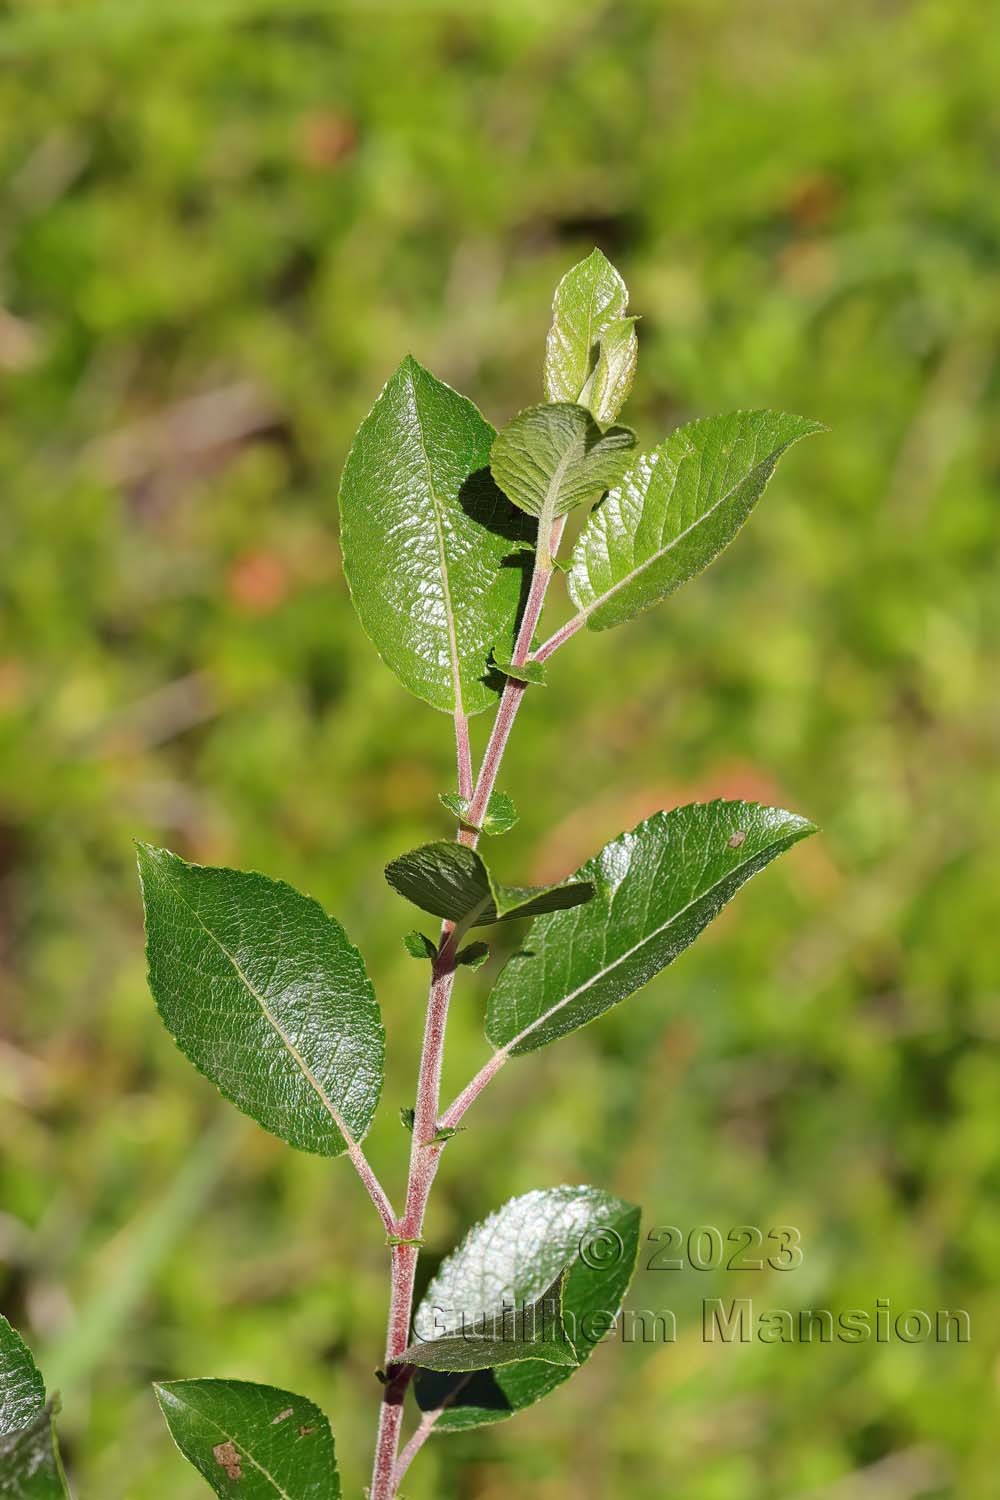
227	1456
305	1431
737	839
282	1416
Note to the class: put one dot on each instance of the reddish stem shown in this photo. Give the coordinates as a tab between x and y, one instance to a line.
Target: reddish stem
376	1191
425	1150
464	754
561	636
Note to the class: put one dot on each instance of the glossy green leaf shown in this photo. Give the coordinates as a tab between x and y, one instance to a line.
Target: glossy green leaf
526	671
454	881
22	1389
30	1467
589	307
550	459
252	1441
514	1256
608	388
427	540
419	945
675	511
656	889
472	956
268	998
509	1332
501	814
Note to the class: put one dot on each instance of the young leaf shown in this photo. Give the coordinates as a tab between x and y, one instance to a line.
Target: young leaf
254	1441
515	1256
30	1467
453	881
589	305
528	671
675	511
656	888
425	535
267	996
550	459
473	955
608	388
507	1333
501	814
419	945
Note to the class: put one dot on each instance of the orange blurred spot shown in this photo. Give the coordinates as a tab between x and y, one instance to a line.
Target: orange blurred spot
327	138
813	200
13	683
258	582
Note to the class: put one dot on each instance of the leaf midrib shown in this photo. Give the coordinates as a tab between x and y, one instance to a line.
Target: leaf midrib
271	1019
437	507
595	979
663	551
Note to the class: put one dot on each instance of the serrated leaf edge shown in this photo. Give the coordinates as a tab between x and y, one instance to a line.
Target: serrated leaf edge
809	429
804	829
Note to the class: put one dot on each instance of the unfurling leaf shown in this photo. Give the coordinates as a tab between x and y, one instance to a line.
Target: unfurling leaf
419	945
453	881
525	671
507	1333
30	1467
473	955
583	1235
254	1441
408	1116
608	388
267	996
675	511
550	459
426	540
501	814
656	889
588	312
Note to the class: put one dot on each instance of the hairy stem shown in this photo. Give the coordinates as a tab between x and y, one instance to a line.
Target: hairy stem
560	637
425	1149
374	1188
472	1090
513	693
464	754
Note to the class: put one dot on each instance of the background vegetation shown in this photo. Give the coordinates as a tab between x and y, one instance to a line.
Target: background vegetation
222	226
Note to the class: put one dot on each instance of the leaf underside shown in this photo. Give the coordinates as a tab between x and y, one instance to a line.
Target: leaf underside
267	996
454	882
428	540
252	1441
656	888
675	511
515	1256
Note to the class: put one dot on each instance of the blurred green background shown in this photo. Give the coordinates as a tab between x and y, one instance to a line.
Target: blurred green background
222	226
